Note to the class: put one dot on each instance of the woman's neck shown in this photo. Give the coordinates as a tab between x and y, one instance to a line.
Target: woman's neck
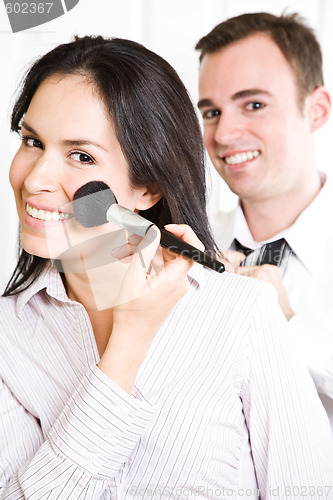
79	288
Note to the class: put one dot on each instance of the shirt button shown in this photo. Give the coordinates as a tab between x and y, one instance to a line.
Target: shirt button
108	435
94	459
110	438
123	412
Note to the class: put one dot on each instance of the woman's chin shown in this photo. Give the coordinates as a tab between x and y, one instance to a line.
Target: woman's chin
40	247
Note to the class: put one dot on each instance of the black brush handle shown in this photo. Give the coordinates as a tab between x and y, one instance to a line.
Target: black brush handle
137	224
177	245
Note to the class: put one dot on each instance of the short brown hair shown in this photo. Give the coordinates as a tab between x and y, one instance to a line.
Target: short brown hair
291	34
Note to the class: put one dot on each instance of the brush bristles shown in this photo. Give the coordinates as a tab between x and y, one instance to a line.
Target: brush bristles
91	202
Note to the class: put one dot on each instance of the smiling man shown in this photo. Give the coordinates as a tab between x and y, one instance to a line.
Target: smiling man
262	99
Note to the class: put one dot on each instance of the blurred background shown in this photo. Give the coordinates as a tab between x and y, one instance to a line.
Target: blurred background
169	27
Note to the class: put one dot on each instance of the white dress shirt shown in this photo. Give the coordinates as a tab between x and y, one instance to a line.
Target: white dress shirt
221	408
308	279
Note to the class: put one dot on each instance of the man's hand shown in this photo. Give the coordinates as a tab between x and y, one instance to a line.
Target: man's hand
266	272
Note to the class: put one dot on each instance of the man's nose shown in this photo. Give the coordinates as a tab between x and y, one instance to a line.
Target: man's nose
230	127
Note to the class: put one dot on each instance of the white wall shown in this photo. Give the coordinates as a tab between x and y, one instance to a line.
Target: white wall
170	28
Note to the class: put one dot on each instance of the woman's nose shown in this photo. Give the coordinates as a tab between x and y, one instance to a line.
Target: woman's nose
41	176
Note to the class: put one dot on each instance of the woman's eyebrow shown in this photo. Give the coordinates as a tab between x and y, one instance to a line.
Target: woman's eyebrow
82	142
67	142
28	128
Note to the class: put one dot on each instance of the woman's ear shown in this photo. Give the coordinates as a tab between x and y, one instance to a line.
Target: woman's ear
148	197
320	108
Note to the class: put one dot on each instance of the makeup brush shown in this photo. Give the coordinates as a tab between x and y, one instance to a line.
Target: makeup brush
95	204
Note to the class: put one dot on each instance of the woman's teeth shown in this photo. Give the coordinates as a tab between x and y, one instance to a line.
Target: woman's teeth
241	157
45	214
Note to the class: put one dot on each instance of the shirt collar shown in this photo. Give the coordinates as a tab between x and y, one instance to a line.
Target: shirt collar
311	242
310	237
50	280
242	232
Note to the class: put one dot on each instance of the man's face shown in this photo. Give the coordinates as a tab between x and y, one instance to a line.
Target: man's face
258	138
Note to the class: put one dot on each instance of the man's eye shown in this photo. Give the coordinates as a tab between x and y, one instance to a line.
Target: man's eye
253	106
211	113
81	157
31	142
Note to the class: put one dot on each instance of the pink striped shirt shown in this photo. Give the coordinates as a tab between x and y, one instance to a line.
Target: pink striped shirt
222	407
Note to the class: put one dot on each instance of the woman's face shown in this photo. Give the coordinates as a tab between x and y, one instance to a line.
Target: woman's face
67	141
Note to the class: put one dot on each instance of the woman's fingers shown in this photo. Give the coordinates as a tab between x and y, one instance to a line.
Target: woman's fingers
173	267
187	234
135	280
170	268
126	250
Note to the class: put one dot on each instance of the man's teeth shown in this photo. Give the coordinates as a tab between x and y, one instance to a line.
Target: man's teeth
45	214
241	157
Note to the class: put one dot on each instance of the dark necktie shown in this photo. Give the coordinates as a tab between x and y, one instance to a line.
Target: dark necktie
269	253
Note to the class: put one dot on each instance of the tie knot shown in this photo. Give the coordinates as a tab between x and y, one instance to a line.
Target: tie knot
272	253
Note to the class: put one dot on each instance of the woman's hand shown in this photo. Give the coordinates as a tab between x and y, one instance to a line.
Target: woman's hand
152	297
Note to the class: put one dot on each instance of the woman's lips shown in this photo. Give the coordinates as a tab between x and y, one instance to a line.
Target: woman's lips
46	215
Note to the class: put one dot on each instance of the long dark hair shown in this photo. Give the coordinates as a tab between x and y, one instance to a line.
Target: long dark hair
155	123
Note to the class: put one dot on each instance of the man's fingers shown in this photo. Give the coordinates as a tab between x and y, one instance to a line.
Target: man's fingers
266	272
233	257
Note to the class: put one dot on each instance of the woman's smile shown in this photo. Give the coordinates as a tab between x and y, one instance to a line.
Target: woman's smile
46	215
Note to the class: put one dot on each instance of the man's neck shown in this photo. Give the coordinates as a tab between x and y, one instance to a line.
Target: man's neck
268	217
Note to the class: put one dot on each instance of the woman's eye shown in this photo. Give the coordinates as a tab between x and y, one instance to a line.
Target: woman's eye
210	113
81	157
31	142
253	106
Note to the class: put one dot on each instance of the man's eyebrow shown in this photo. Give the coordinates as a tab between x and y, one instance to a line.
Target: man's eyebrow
249	93
204	103
68	142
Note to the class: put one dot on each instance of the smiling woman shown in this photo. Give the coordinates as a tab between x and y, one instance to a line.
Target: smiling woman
123	366
151	166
